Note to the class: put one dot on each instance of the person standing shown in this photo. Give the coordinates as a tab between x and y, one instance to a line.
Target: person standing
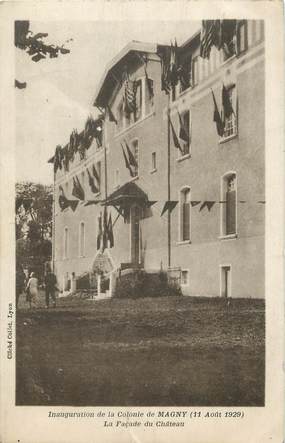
50	285
32	290
20	283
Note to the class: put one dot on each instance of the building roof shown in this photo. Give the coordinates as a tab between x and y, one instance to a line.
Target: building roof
113	70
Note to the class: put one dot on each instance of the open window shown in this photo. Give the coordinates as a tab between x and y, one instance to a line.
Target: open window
230	118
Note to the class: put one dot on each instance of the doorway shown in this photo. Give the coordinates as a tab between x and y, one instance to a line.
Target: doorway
225	280
135	234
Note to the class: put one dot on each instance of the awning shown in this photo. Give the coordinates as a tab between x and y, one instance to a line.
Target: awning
127	195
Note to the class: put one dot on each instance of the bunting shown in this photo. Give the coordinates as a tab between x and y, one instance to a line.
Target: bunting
169	206
207	204
65	202
195	202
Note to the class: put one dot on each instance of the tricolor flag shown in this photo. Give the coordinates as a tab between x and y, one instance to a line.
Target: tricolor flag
132	160
92	185
128	166
217	118
210	35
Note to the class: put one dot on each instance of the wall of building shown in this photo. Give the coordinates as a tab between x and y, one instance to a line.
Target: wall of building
210	159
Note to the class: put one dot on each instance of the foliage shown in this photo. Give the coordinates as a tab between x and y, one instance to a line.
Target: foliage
141	284
33	223
34	45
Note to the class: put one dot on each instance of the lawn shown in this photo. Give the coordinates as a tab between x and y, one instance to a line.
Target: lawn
166	351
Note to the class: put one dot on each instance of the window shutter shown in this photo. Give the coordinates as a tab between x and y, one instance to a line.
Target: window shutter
231	212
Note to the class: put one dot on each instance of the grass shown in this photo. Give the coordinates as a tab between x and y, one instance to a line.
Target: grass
165	351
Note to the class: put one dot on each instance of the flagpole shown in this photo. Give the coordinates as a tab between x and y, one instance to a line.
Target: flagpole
105	156
168	183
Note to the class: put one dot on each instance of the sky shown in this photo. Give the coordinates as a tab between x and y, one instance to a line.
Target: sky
60	92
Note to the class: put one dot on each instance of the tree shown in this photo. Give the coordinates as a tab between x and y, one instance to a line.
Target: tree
33	223
34	45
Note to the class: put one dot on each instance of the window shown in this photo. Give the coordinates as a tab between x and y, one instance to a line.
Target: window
230	40
185	214
242	42
229	205
135	152
81	239
185	74
225	281
184	132
65	243
230	128
153	161
195	78
184	277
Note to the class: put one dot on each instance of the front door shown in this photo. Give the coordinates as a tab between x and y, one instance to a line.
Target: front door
135	235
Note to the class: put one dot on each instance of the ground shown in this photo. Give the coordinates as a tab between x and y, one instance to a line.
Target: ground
167	351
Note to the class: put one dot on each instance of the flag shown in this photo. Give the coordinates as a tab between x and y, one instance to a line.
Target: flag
65	202
96	175
165	69
227	104
100	232
184	72
110	231
77	190
132	160
92	185
148	84
20	85
207	204
169	206
127	162
217	118
130	96
210	35
112	118
183	133
195	202
105	229
174	136
173	64
81	190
